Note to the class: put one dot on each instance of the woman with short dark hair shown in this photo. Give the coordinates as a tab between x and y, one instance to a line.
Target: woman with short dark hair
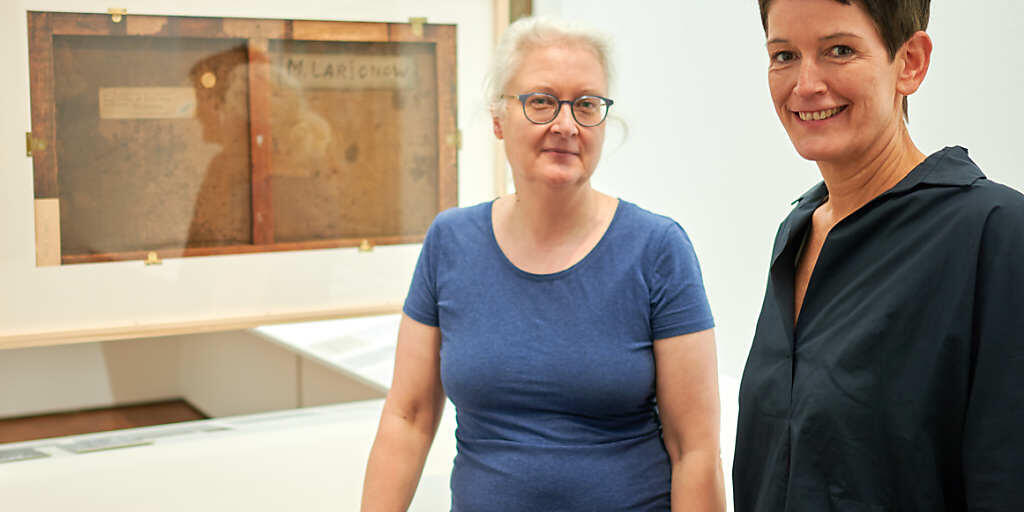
885	371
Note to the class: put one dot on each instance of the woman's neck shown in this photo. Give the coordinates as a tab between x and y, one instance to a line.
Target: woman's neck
852	185
553	217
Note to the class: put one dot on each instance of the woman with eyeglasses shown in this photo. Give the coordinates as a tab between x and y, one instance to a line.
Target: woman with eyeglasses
569	328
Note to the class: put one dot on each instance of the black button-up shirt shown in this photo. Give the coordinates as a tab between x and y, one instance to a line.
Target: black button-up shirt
901	387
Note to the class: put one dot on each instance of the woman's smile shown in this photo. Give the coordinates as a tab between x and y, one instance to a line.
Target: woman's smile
820	115
560	151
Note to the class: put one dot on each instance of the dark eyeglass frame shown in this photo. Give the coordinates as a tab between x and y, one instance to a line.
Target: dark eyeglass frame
558	107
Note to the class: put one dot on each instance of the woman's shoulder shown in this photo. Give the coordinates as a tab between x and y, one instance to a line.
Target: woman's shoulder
953	166
462	217
992	193
988	195
955	189
999	208
459	230
650	237
639	220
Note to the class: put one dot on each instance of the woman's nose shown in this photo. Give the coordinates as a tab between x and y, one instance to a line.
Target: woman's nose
810	81
563	123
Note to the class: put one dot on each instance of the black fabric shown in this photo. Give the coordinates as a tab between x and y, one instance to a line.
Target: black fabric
901	388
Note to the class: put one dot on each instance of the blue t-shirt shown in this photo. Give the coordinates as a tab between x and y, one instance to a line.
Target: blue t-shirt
552	375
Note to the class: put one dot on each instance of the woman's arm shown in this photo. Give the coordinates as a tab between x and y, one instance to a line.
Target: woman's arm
687	389
992	447
408	422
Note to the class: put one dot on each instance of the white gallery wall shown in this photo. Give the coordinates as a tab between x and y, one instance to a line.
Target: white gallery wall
705	147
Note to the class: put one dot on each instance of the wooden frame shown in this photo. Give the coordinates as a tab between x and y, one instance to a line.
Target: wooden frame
505	12
258	35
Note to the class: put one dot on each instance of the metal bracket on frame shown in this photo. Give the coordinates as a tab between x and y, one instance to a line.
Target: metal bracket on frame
417	25
33	144
152	258
117	14
455	139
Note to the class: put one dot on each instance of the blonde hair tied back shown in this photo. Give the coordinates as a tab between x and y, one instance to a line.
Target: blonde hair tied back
530	33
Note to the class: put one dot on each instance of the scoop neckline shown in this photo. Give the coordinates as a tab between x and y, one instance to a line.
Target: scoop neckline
561	273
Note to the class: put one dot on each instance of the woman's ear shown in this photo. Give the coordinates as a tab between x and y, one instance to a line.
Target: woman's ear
496	125
916	55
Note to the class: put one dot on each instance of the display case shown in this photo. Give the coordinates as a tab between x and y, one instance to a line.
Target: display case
161	136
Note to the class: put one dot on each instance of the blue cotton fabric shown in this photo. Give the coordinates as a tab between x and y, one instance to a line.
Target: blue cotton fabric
552	375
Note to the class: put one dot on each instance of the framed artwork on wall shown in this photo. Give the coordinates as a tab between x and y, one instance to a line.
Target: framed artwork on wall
163	136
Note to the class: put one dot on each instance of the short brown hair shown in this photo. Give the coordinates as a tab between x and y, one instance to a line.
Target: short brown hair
896	21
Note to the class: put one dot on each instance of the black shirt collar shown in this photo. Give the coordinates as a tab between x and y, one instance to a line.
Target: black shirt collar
957	170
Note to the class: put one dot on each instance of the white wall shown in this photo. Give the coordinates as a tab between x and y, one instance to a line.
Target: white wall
121	294
70	377
234	373
221	374
706	148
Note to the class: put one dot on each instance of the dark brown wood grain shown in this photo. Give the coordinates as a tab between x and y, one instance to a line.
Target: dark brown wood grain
196	27
68	24
251	28
447	87
96	420
315	30
147	25
260	140
241	249
40	57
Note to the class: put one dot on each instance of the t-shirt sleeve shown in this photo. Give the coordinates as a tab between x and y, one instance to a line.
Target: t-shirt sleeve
993	447
678	302
421	302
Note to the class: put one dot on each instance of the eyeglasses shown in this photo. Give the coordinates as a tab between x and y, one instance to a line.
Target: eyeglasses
542	108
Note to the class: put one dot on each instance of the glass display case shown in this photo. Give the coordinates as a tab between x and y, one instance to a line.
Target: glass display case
161	136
